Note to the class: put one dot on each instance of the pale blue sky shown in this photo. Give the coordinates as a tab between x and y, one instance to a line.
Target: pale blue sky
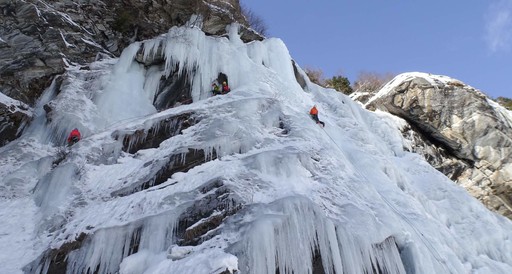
468	40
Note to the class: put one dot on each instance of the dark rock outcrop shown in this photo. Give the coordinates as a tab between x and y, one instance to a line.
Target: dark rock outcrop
56	258
200	221
180	162
436	155
151	138
469	137
173	91
13	116
300	79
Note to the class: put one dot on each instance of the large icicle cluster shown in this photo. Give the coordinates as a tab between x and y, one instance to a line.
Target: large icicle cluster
189	51
108	247
291	234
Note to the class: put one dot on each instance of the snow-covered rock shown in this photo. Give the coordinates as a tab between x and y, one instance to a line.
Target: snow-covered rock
458	130
14	115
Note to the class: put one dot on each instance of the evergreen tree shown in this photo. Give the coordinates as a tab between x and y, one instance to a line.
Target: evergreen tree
371	81
340	83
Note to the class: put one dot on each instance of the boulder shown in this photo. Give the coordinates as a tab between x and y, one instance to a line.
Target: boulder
14	115
463	133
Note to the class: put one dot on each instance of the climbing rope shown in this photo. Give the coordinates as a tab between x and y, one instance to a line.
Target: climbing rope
334	142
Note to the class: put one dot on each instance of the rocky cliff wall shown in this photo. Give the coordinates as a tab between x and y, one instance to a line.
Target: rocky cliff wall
40	39
458	130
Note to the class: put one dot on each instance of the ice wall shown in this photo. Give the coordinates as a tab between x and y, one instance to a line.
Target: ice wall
125	94
343	199
189	51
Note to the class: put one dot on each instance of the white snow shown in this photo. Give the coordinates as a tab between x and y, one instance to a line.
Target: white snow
14	105
347	192
68	45
505	114
92	43
64	17
6	100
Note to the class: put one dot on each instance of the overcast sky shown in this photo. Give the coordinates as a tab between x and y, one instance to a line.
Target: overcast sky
467	40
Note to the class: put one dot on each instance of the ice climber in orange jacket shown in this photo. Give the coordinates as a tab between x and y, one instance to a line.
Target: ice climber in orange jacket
314	114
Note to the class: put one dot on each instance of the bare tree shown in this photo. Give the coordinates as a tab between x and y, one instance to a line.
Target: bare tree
315	75
371	81
255	21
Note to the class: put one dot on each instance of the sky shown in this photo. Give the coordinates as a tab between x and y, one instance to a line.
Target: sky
470	42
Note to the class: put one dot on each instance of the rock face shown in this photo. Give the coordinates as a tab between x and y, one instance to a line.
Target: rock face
39	39
458	130
13	116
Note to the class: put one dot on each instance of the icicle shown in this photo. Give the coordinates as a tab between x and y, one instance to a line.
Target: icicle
290	240
152	48
208	153
127	57
183	156
152	82
181	50
234	36
106	248
289	235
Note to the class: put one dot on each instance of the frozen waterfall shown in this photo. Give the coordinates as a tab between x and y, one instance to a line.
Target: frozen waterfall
242	182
